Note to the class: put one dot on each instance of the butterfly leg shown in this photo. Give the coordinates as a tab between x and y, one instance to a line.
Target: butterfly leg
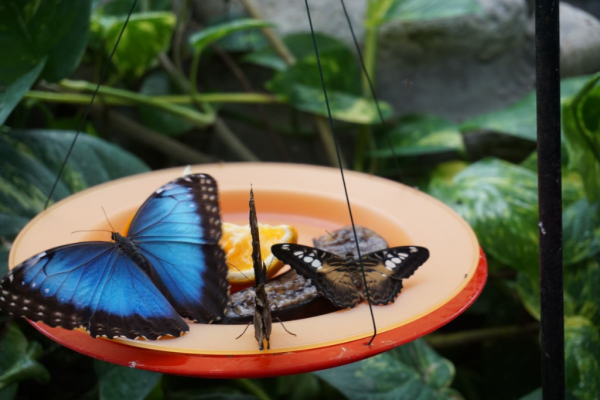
244	331
284	328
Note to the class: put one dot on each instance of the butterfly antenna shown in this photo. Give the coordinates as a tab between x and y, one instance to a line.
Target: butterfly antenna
104	211
340	164
244	331
92	230
240	271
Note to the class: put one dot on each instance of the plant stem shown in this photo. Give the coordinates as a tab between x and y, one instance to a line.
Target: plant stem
221	128
327	140
78	98
253	388
477	335
274	40
151	138
234	143
196	118
370	54
364	140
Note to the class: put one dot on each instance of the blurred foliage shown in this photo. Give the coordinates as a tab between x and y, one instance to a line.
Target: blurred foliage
54	51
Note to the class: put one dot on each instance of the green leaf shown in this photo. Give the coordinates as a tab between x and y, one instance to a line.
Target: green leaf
344	107
420	134
11	93
499	201
340	70
118	382
528	289
301	83
146	36
382	11
35	35
413	371
155	84
581	124
200	40
30	160
581	231
70	32
582	358
301	47
582	291
535	395
18	361
298	387
519	119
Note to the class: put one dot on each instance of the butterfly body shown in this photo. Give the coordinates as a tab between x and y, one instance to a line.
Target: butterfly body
340	279
138	286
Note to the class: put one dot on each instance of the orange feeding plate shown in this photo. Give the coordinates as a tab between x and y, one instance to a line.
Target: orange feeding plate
312	199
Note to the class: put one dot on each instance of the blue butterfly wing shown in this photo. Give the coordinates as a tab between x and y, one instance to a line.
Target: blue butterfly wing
92	285
177	230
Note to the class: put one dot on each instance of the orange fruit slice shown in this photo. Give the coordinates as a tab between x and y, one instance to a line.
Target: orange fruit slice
237	244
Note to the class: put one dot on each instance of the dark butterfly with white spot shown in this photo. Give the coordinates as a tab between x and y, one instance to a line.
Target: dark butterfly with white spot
340	279
169	266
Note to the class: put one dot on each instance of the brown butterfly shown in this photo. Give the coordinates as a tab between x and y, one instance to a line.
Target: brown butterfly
340	279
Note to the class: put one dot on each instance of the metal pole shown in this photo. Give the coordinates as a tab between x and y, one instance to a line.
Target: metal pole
547	44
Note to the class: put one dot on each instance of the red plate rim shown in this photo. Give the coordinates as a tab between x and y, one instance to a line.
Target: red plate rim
271	364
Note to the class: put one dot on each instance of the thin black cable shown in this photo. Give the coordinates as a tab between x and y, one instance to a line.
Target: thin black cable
372	88
87	110
337	151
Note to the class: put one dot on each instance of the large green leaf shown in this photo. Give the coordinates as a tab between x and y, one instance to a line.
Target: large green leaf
581	124
519	119
413	371
582	291
12	92
34	35
146	36
581	231
344	107
70	32
30	160
499	200
382	11
200	40
18	359
118	382
582	358
418	135
156	84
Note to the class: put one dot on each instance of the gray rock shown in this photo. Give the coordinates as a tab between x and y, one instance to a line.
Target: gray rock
579	42
455	68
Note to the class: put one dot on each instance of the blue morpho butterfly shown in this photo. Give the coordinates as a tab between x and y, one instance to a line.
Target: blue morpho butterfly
169	266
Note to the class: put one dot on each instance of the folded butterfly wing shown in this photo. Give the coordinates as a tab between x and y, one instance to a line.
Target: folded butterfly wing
328	272
385	269
91	285
177	230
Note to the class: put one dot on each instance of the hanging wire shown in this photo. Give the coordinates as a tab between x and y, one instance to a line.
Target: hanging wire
372	88
337	151
87	109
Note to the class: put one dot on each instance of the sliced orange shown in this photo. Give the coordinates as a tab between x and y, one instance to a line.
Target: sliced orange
237	244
